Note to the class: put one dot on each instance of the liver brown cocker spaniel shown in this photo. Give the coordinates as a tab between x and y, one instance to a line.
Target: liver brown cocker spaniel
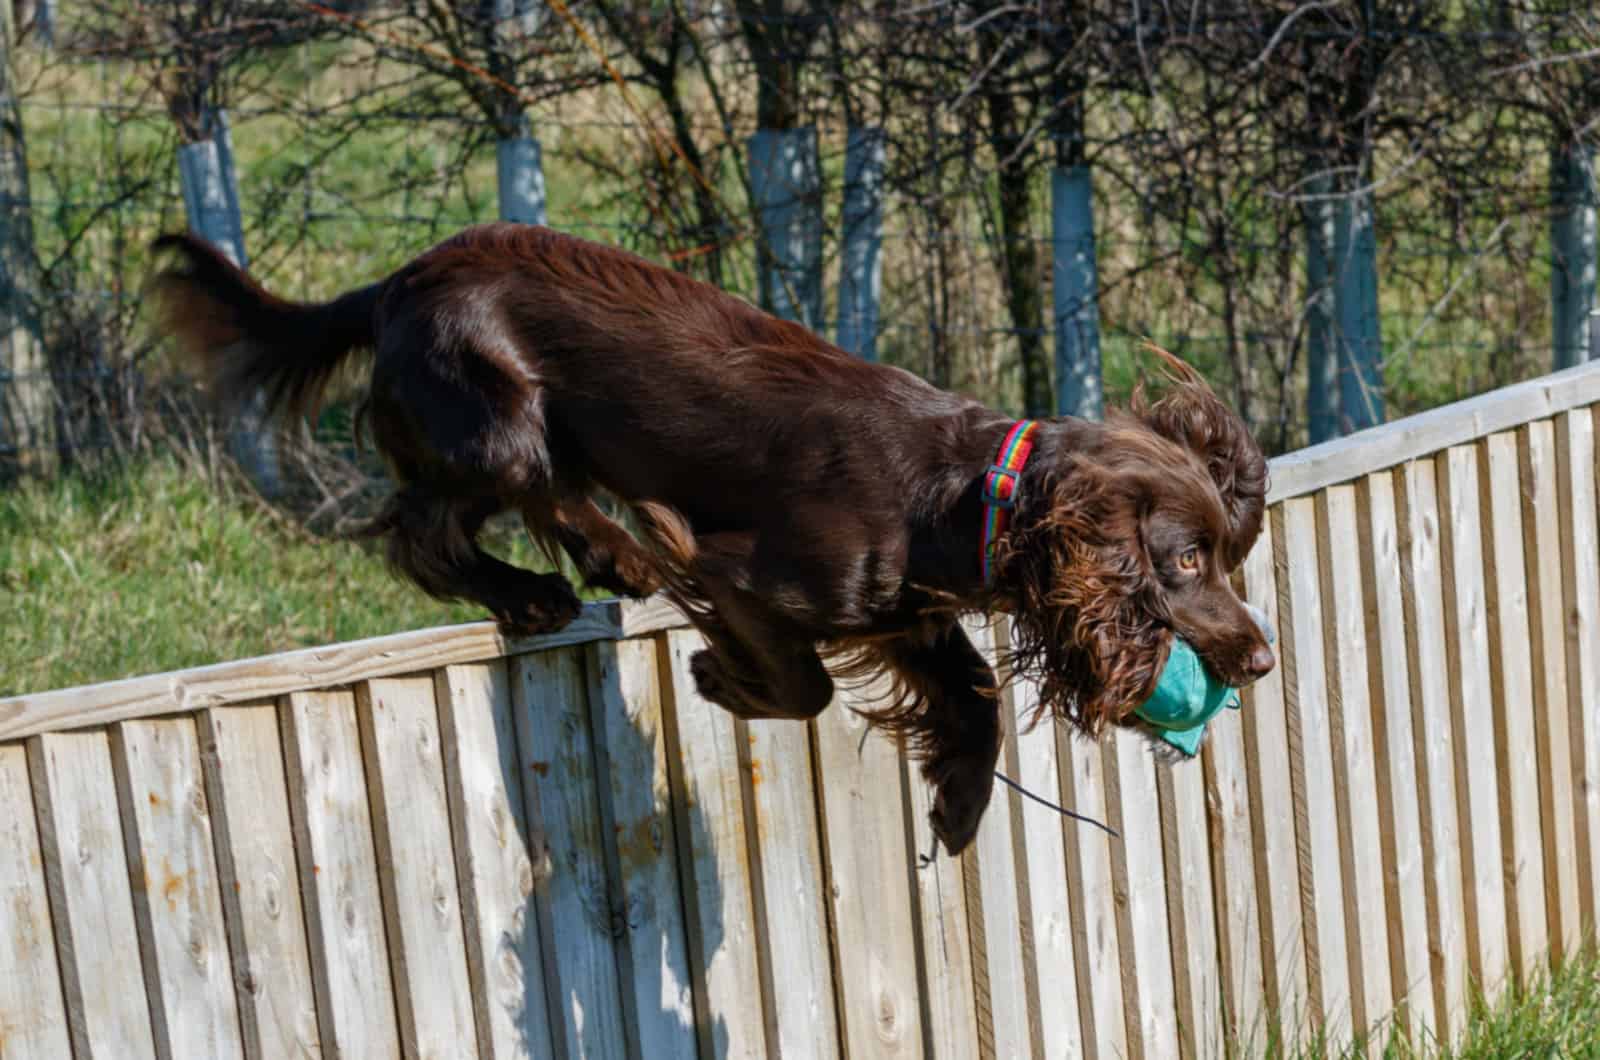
812	513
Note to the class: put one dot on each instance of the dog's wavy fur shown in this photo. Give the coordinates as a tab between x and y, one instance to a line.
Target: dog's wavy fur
814	516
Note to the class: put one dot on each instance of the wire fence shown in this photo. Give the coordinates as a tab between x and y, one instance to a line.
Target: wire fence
360	135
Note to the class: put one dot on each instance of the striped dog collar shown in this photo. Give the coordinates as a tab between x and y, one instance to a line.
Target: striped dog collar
1000	484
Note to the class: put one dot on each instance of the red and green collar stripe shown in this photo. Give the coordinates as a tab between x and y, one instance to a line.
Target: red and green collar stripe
1000	488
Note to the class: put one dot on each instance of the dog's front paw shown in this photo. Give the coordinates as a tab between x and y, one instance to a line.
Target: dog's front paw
961	794
549	606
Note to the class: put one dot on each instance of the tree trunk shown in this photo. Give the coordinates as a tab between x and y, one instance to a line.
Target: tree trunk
1573	253
775	50
1074	266
785	176
27	393
860	270
1019	248
709	226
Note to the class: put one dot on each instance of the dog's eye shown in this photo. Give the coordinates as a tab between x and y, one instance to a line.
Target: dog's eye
1189	561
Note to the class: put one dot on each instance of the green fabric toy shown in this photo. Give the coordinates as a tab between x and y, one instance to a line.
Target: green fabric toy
1187	696
1185	699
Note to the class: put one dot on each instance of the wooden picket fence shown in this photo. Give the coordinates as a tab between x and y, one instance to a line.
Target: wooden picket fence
442	844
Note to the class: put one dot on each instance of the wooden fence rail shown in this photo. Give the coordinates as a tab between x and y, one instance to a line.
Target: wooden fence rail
444	844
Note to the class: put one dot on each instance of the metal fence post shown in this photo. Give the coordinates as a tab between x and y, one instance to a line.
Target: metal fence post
1075	290
210	187
1574	248
1322	356
786	184
1355	297
860	270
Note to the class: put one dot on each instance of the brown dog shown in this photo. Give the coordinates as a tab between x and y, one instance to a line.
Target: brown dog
800	503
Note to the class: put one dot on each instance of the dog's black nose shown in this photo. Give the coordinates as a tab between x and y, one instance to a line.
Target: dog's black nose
1260	662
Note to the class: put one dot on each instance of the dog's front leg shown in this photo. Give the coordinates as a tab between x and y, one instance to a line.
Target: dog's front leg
951	720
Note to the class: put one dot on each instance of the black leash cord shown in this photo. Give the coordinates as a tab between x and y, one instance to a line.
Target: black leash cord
1059	809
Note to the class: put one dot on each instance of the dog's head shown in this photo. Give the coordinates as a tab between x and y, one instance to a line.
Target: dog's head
1125	535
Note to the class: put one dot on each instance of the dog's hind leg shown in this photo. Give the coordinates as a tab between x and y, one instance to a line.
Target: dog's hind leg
756	668
757	664
950	717
433	541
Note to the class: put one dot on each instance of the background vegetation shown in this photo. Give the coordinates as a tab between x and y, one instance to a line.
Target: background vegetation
364	131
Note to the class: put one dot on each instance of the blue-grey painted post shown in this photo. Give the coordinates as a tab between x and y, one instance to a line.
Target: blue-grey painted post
860	267
519	161
1355	300
44	23
522	17
1322	354
210	187
786	185
1574	248
1076	290
521	171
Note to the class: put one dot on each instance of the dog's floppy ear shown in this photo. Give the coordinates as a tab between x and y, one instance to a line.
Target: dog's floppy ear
1192	415
1087	625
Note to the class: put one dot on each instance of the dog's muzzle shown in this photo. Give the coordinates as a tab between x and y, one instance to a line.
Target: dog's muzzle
1263	623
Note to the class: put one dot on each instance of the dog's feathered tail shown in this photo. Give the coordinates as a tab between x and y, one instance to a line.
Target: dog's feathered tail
246	340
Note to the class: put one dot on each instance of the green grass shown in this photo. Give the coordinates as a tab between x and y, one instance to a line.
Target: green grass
1555	1016
154	569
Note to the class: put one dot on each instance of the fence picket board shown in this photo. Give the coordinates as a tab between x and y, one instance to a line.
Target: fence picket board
948	986
549	693
1273	840
400	742
625	704
1580	542
1241	988
864	849
1054	962
33	1015
494	865
1007	941
258	881
339	876
1316	807
1511	685
1472	706
167	829
1094	899
1542	521
1355	781
1422	597
91	899
1138	873
1191	907
1389	688
793	921
703	740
